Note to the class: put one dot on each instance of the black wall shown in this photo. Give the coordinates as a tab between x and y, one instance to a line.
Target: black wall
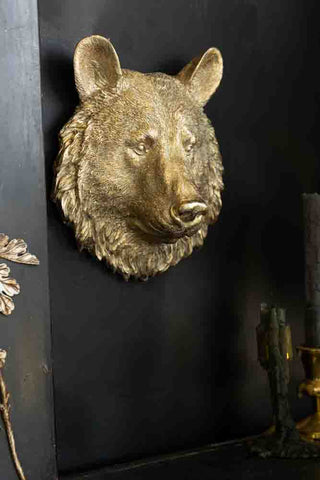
144	368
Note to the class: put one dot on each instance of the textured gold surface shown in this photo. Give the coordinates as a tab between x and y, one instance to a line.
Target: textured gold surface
5	413
8	288
309	427
139	172
16	250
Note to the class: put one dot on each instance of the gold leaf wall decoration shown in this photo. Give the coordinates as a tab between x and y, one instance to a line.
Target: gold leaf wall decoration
5	413
16	251
8	288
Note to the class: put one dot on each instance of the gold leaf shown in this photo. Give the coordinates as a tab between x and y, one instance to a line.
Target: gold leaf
8	288
6	305
16	251
4	239
4	270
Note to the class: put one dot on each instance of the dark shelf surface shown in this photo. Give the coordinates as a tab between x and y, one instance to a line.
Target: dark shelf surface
223	462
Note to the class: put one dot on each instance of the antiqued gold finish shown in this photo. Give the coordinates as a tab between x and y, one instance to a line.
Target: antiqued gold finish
283	439
8	288
5	413
139	172
309	427
16	251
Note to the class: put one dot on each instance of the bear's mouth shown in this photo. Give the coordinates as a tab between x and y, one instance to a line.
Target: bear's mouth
164	233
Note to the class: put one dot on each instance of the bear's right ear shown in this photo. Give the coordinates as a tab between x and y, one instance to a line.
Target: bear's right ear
96	65
203	74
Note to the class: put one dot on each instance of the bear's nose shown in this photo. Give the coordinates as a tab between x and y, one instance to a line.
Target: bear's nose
190	213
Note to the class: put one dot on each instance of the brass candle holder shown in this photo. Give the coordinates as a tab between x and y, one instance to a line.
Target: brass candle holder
309	428
285	439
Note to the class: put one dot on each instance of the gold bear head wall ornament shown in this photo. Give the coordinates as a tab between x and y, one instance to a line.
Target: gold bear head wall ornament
139	172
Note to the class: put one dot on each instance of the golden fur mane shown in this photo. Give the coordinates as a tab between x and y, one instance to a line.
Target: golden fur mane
113	242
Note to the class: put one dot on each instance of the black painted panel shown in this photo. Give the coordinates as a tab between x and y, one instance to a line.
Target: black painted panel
26	333
148	368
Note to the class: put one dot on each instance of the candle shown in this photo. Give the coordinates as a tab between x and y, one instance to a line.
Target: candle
311	210
274	351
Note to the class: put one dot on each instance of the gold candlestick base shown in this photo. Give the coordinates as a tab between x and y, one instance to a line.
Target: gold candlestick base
309	428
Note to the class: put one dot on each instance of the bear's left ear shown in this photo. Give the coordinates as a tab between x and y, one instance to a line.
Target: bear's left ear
96	66
203	74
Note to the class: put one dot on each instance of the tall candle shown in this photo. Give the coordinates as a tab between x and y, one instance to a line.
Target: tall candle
311	208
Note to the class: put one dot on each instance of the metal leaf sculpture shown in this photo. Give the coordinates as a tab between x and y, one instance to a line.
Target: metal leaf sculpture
16	251
5	413
8	288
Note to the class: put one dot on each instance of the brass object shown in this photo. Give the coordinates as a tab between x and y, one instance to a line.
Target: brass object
309	427
5	413
16	251
139	172
8	288
283	439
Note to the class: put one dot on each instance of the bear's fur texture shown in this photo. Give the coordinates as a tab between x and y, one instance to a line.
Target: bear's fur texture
138	148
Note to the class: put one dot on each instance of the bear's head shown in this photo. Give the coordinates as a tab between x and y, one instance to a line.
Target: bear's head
139	172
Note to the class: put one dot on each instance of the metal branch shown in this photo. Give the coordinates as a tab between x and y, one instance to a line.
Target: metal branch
5	413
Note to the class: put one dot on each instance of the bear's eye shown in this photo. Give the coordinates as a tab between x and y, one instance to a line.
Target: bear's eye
188	146
141	149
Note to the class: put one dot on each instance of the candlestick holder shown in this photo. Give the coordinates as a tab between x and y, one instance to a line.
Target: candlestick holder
283	440
309	428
